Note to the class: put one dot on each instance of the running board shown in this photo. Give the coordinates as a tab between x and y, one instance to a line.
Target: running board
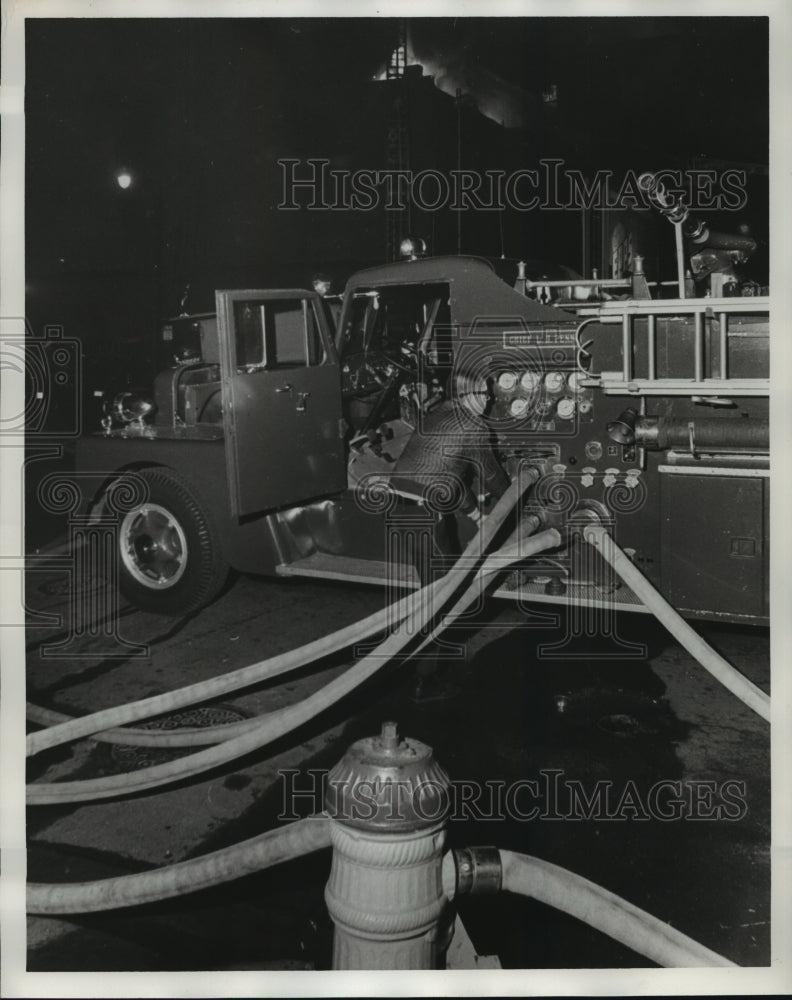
579	594
325	566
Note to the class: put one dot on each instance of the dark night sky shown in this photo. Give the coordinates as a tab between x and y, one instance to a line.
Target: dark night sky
200	111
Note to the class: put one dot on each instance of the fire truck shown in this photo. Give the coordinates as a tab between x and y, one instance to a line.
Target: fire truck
267	438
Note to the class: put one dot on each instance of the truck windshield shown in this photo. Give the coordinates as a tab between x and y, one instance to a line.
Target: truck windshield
382	320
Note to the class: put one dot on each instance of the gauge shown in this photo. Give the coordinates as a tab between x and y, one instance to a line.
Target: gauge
566	408
518	407
529	381
554	381
507	381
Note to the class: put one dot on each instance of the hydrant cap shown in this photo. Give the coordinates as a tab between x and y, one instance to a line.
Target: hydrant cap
388	783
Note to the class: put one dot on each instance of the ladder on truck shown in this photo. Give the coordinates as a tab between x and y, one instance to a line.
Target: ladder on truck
715	322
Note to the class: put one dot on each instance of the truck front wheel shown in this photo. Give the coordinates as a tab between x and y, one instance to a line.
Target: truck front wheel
171	559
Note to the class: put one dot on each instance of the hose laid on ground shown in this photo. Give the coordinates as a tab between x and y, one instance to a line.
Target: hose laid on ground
170	701
250	856
511	552
601	909
269	728
108	719
284	720
713	662
64	728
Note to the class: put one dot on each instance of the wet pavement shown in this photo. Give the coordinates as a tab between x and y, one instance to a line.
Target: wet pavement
641	738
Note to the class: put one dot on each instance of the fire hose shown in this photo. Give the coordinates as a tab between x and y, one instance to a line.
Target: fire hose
519	874
749	693
64	729
257	734
512	551
713	662
267	729
614	916
119	715
245	858
276	724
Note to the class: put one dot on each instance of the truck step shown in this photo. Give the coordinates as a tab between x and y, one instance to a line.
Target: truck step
326	566
331	567
581	594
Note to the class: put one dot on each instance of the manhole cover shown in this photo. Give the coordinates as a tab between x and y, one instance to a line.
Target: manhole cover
620	724
122	758
618	713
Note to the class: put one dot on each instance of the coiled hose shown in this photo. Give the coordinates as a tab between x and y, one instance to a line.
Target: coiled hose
614	916
249	856
144	708
713	662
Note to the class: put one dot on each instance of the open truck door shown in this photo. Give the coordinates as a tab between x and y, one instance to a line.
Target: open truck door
282	399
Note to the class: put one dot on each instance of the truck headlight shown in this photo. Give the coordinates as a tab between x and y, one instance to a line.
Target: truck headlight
129	407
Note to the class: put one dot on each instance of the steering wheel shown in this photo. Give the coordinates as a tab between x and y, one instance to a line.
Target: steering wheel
369	372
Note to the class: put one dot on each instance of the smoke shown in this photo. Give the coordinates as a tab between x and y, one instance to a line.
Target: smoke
454	69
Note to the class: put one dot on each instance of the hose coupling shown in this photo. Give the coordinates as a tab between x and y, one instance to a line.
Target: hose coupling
472	871
622	430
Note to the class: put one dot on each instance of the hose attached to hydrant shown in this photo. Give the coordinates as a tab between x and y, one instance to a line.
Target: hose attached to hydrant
575	895
713	662
250	856
488	870
389	884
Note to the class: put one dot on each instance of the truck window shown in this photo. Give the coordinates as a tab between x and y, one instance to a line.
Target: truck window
383	319
277	333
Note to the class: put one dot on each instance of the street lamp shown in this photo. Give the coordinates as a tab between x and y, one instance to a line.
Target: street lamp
123	178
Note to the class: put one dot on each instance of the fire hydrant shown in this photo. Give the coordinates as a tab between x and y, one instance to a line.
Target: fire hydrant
388	801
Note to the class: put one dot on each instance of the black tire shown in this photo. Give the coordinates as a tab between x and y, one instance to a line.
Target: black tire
170	555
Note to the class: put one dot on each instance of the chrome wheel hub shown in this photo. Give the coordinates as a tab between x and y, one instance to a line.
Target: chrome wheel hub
153	547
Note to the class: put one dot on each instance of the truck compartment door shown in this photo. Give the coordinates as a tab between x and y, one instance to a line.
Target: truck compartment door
281	400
